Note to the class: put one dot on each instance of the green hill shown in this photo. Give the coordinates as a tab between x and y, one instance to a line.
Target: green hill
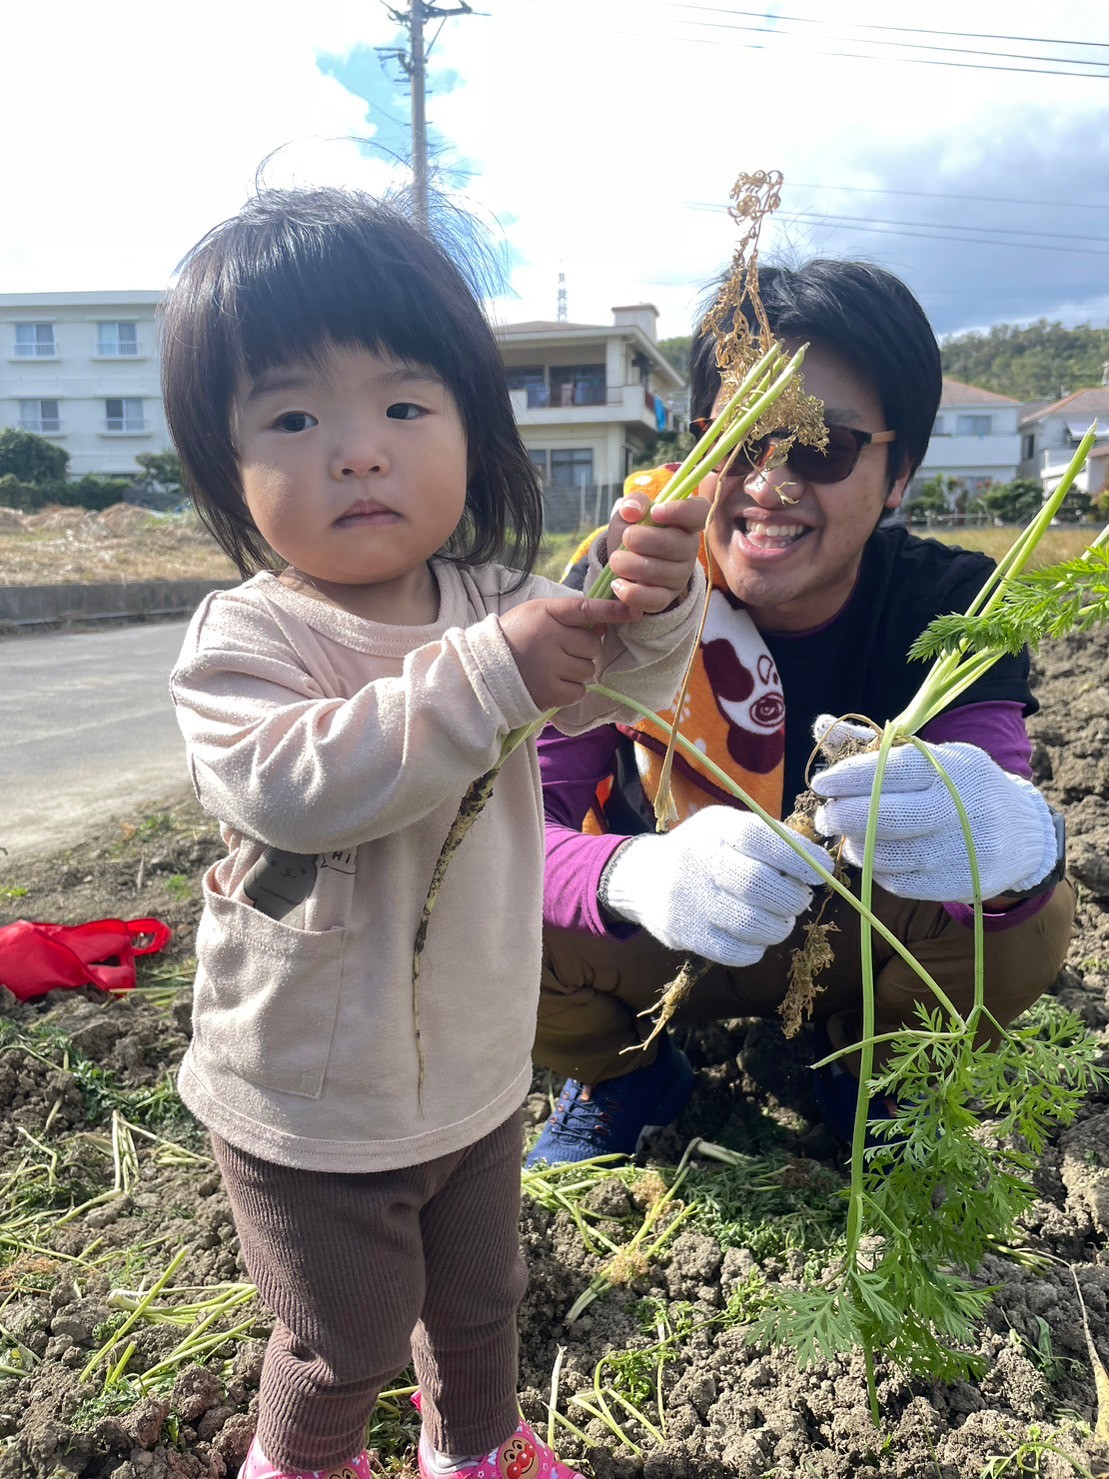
1040	361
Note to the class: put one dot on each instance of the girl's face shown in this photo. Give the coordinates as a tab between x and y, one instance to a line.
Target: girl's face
355	472
790	550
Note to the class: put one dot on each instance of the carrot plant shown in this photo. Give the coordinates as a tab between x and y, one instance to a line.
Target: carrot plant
952	1176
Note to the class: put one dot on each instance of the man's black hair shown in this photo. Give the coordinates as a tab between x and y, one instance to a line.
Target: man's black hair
295	272
867	316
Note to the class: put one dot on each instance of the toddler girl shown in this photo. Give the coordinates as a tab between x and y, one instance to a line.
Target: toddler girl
339	405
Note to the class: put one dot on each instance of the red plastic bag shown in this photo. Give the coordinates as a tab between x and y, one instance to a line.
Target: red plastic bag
36	958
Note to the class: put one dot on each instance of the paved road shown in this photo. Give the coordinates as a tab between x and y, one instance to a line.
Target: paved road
87	733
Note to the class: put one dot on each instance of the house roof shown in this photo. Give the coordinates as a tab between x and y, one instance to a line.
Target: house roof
956	393
550	326
1078	406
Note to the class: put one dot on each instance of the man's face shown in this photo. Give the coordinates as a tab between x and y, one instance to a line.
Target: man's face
790	549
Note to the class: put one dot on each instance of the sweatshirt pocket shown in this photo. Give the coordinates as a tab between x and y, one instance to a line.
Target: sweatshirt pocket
267	996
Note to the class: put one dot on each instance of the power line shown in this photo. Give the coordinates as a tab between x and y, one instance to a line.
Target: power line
916	60
945	225
939	232
808	20
873	57
1030	246
948	195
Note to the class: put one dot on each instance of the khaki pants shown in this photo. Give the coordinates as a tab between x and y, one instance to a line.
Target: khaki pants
593	989
362	1270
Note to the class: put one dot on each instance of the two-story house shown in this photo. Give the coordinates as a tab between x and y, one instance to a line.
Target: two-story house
82	370
975	439
588	398
1050	433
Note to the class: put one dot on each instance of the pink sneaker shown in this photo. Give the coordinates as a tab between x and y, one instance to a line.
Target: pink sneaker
523	1456
257	1466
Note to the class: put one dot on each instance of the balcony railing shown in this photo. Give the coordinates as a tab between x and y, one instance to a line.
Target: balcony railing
573	393
125	423
44	426
36	351
110	348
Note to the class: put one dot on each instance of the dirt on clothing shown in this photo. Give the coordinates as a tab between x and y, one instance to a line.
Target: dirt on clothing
91	1122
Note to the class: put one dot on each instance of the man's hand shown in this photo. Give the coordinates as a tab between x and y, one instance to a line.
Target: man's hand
722	885
920	851
653	569
557	643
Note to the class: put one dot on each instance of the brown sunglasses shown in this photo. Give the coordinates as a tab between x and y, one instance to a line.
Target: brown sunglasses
812	464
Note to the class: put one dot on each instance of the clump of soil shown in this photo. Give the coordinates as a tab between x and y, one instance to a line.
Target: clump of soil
76	1064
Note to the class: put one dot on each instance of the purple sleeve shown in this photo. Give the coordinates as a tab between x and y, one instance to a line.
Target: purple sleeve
571	768
998	728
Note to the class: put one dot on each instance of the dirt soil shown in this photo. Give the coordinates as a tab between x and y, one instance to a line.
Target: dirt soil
72	1058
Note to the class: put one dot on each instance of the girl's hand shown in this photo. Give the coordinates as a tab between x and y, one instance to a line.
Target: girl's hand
654	567
557	643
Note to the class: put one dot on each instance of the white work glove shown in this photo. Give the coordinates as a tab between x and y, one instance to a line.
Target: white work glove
721	885
920	851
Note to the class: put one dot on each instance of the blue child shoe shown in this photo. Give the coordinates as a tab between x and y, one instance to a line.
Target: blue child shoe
611	1117
836	1091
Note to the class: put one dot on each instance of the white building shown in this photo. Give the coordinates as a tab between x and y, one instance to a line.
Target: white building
588	399
1050	433
82	370
975	438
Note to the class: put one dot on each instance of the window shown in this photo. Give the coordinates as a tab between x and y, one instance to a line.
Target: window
578	385
538	455
1028	447
124	414
40	416
572	467
35	341
937	429
117	339
519	377
973	426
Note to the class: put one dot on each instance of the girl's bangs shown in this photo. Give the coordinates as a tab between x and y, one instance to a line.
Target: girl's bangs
290	308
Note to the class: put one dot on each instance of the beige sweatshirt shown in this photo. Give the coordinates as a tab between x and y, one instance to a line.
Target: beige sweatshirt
334	751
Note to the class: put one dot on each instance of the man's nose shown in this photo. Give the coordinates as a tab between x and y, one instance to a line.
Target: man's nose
772	486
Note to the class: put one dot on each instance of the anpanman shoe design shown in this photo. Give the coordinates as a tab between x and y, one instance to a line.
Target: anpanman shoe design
257	1466
523	1456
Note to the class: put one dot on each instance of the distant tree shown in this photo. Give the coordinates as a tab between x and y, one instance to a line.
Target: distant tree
668	446
676	350
936	497
31	459
1040	361
161	468
1014	502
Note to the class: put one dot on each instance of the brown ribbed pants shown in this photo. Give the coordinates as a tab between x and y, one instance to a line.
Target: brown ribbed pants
593	989
360	1271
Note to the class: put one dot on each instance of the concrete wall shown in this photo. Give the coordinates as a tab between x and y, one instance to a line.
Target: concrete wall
29	606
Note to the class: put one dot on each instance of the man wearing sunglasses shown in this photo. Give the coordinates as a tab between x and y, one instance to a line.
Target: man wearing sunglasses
816	600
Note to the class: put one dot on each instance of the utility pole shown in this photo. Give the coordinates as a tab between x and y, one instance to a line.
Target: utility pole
413	63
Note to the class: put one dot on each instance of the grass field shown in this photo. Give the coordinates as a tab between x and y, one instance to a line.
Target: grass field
70	547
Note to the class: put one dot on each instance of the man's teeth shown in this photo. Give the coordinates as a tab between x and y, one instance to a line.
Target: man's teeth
774	531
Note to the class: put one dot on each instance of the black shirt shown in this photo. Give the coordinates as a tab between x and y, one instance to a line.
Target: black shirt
858	663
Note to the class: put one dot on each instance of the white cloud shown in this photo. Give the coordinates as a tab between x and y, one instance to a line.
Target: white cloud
599	131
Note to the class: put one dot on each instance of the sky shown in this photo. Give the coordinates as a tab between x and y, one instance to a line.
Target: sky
596	138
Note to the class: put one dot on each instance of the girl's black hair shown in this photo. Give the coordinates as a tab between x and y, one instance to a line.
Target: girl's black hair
296	271
870	318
